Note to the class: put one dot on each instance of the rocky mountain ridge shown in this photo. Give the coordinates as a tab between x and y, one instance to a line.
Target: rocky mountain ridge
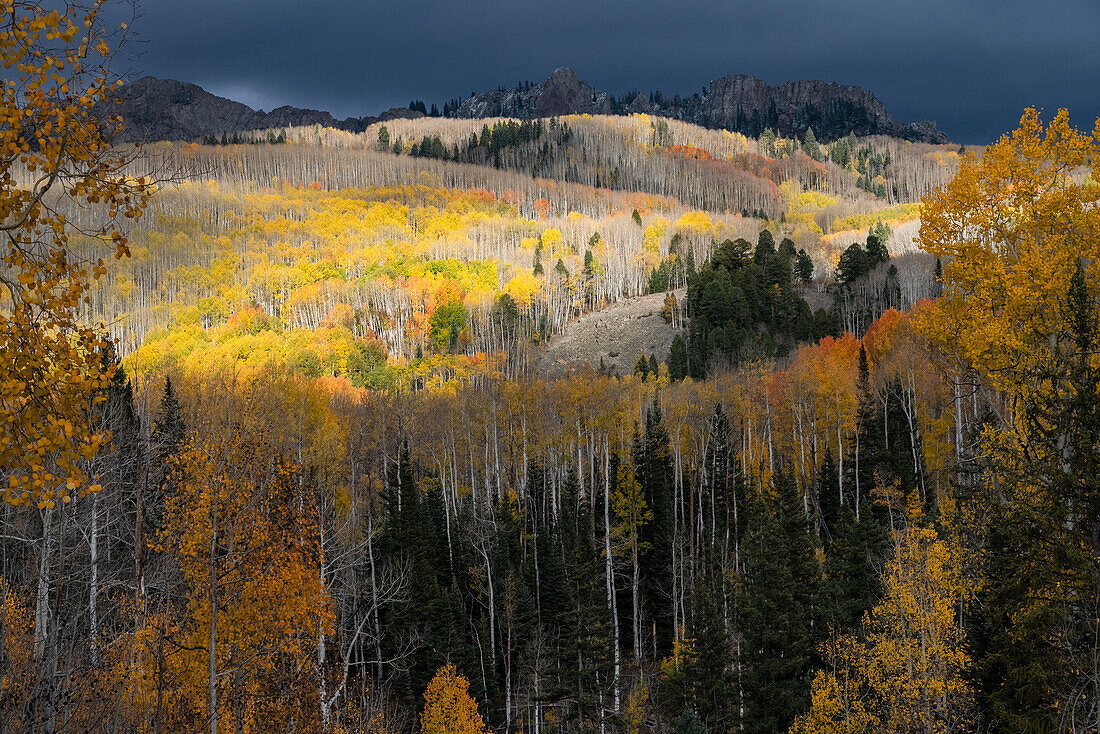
740	102
165	109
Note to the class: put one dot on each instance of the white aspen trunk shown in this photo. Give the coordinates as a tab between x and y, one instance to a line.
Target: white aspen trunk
802	457
447	517
610	574
212	664
42	598
910	405
93	586
768	408
322	692
856	472
374	593
492	608
635	598
676	493
839	450
523	431
958	421
496	454
580	466
508	679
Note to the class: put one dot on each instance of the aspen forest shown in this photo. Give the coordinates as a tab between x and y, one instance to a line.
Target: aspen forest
279	450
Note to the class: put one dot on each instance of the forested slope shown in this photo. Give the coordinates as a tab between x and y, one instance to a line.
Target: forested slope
330	253
274	456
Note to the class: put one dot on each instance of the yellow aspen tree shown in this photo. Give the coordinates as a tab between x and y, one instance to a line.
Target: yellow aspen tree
1018	232
60	179
54	158
1009	229
907	675
448	706
243	532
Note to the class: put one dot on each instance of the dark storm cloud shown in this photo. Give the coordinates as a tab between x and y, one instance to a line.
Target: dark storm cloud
971	65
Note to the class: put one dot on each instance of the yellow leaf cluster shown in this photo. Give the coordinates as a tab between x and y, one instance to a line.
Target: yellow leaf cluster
448	706
52	147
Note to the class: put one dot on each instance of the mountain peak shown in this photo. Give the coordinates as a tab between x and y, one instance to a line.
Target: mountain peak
562	93
738	102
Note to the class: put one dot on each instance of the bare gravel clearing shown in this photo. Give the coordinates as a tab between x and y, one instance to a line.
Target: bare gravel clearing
618	334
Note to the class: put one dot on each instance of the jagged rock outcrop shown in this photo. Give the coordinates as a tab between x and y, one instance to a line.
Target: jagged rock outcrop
561	94
739	102
166	109
749	105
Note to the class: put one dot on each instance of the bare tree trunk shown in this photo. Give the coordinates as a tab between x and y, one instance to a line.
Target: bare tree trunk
610	573
93	585
322	691
42	598
374	593
212	680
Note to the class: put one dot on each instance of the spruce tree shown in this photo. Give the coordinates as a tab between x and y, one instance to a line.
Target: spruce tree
779	609
169	428
869	444
701	684
853	565
765	248
804	267
678	359
811	146
653	469
169	431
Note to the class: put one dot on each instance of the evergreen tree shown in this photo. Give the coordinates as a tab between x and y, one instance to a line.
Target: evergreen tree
780	612
727	504
411	537
767	143
652	458
700	673
787	252
121	470
167	436
810	145
854	263
869	446
876	245
765	248
804	267
678	359
855	556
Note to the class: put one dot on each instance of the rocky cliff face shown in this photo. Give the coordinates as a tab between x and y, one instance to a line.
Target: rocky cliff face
165	109
561	94
749	105
740	102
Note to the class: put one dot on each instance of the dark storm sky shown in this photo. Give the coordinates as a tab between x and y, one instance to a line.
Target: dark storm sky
971	65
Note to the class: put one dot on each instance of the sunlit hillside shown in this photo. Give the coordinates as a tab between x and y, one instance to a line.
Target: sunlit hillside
333	254
561	425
